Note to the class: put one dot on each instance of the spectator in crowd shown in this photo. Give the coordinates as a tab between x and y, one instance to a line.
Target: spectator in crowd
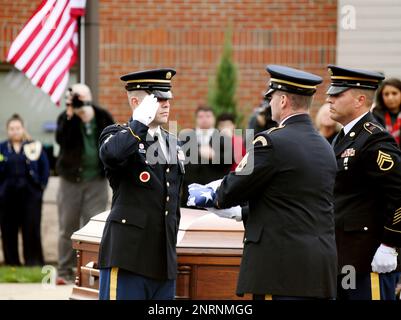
327	127
226	125
24	172
388	106
83	190
204	149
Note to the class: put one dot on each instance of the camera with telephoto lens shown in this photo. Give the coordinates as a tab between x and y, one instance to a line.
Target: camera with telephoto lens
77	103
264	109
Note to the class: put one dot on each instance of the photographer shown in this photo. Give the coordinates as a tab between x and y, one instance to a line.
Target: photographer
261	119
83	187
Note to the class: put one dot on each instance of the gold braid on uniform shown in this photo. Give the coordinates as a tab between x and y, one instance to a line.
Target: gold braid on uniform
132	132
275	128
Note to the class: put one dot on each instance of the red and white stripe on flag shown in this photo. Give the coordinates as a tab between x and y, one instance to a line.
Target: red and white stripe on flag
47	46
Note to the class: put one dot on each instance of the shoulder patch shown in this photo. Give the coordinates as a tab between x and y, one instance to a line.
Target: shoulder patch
260	139
274	129
33	150
371	127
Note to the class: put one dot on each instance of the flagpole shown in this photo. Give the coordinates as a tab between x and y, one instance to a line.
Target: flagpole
82	50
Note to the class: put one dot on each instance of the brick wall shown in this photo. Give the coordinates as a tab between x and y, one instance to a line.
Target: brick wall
188	35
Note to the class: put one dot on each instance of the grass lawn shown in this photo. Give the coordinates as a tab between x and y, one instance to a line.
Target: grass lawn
21	274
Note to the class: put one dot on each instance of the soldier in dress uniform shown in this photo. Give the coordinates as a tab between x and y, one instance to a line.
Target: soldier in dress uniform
145	166
288	180
367	190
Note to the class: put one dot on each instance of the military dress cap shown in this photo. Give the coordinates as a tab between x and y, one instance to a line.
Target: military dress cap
156	81
343	79
291	80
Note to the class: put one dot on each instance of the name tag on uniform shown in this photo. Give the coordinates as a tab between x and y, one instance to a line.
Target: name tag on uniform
348	153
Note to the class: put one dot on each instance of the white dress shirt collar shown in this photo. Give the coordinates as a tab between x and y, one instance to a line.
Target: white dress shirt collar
290	116
347	128
154	130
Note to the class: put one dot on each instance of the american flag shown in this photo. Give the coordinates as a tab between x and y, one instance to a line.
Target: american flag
201	196
47	46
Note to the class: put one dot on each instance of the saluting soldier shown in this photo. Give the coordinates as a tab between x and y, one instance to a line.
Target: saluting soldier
367	190
289	246
144	165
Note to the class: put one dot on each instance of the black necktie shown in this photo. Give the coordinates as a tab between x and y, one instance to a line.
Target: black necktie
340	136
159	140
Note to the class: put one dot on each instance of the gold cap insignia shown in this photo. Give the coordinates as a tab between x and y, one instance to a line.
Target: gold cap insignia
330	72
384	161
168	75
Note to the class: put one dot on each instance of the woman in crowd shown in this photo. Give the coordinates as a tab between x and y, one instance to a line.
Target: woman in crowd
24	172
326	126
388	105
226	125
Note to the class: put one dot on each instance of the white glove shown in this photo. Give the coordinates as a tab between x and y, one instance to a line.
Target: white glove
385	259
229	213
146	111
214	184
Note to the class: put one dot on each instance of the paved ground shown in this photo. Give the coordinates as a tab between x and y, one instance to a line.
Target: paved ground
34	291
49	223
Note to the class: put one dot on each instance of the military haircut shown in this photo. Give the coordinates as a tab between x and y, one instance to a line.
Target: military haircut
369	94
140	94
298	101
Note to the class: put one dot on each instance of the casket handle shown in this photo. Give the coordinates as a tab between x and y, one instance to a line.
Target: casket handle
90	270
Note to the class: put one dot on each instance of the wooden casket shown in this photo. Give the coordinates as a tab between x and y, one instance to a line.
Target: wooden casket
209	250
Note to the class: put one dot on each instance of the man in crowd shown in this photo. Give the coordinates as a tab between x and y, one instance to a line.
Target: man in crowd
83	190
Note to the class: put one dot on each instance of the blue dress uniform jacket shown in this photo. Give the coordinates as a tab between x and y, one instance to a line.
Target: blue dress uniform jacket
289	245
367	193
36	164
140	234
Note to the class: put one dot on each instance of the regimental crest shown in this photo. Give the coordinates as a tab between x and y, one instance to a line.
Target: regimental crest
384	161
144	176
32	150
168	75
